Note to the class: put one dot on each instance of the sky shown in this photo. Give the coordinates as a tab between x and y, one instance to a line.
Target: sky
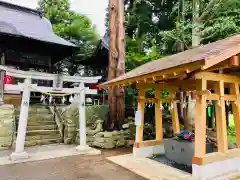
94	9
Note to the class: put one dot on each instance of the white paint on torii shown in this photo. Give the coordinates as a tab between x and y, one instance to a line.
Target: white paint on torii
27	87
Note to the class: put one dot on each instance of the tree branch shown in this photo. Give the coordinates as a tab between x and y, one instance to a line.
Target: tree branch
208	10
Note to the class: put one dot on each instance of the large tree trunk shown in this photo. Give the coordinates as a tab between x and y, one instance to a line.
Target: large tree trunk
120	113
113	58
196	39
196	36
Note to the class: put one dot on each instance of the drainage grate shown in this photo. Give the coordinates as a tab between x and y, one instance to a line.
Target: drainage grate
162	159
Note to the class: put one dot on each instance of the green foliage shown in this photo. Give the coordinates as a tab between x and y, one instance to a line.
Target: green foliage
231	135
218	19
231	130
71	26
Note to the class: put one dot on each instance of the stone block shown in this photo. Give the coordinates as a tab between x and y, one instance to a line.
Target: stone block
108	134
106	145
90	139
121	142
6	131
7	122
99	140
6	141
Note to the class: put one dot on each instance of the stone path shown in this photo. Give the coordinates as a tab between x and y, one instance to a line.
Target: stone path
70	168
45	152
150	169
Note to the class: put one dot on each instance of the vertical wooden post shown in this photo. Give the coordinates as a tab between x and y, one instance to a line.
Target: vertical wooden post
113	59
236	111
158	116
200	123
120	112
221	118
139	129
175	119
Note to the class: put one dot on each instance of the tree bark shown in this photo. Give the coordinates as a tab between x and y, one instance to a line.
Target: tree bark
196	39
113	58
195	30
120	99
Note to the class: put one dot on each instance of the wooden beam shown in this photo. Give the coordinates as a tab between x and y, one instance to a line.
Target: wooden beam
216	157
139	131
217	77
148	100
173	86
221	118
181	69
160	86
200	122
158	116
233	61
236	112
226	97
175	119
147	143
228	54
155	100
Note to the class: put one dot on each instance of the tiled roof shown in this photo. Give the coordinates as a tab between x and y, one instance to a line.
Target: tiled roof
20	21
206	53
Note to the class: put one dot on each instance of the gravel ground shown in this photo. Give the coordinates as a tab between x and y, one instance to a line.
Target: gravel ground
70	168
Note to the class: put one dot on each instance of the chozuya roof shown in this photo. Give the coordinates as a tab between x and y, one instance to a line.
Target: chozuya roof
23	22
205	56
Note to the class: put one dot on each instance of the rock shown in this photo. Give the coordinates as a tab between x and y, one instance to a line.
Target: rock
106	145
108	134
121	142
98	128
99	140
90	139
7	125
125	126
231	146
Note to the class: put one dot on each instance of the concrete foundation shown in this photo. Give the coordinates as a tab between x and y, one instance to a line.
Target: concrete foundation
38	153
216	169
18	156
83	148
148	151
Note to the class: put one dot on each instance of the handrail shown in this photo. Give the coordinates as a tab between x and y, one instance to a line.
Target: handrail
58	118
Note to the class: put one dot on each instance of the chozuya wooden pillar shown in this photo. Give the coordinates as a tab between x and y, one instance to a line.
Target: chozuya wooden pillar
200	123
234	89
221	118
175	119
149	147
158	115
139	129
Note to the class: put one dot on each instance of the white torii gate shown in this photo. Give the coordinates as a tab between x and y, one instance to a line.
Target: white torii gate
28	87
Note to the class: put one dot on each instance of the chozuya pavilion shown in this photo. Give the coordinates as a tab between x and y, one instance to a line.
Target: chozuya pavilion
206	71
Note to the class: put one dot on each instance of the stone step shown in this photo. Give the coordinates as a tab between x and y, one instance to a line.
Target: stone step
38	123
42	132
42	137
42	127
42	142
44	117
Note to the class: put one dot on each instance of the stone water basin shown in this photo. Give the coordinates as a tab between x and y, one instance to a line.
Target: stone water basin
182	152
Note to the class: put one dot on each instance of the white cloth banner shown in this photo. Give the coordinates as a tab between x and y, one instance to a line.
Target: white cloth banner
138	118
